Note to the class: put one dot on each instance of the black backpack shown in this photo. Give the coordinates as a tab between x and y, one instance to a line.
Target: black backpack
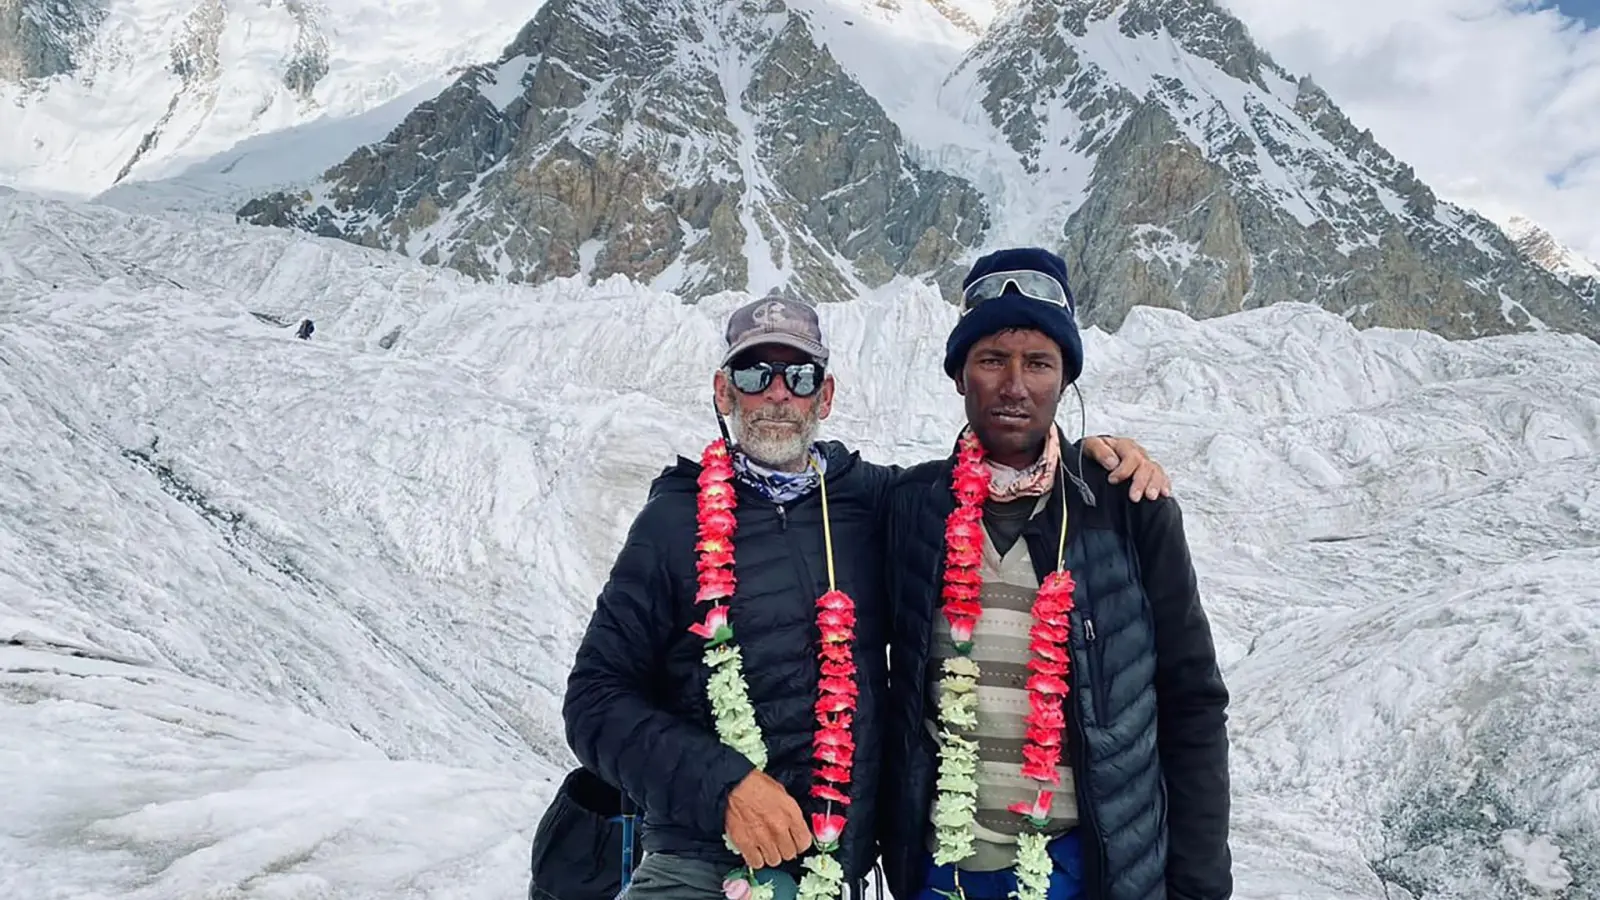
583	847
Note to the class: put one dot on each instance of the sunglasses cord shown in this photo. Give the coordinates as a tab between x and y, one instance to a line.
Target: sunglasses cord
1083	432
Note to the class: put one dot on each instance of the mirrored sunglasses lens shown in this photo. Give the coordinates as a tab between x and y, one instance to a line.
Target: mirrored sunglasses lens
1032	284
1043	287
986	289
752	379
801	380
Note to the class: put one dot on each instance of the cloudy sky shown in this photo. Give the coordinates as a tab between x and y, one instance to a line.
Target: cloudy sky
1496	103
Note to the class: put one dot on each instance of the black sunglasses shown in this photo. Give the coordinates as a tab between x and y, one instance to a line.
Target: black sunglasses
1028	283
802	379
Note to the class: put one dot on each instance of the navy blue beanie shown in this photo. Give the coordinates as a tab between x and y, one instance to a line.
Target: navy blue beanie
1013	310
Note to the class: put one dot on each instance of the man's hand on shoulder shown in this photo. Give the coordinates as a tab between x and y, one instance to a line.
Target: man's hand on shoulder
1127	461
765	823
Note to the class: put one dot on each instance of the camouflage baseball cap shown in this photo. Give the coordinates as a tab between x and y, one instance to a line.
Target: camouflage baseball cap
775	319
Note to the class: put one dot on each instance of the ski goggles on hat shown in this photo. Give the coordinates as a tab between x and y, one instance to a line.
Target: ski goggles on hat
1027	282
802	379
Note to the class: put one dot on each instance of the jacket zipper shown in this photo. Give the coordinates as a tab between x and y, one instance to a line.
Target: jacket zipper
1098	689
927	637
1094	864
937	582
918	698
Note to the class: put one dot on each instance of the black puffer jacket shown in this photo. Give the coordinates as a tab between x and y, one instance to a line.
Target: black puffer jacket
1147	736
636	708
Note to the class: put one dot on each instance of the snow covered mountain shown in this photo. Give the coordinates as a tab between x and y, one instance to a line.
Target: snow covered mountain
835	144
95	92
699	145
1580	274
290	619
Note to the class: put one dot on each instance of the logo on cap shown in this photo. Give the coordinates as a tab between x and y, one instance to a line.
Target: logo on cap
772	315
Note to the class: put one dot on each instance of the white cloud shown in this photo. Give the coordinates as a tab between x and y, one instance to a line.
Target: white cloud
1495	103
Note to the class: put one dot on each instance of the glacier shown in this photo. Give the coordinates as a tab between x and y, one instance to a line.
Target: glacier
291	619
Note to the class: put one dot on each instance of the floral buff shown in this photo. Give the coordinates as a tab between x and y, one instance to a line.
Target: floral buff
833	745
1009	484
956	805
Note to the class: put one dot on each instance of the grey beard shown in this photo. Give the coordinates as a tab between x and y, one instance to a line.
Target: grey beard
775	450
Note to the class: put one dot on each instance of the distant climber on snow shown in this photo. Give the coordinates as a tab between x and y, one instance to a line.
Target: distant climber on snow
306	328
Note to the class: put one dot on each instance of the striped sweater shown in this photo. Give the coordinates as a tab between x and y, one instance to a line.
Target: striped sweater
1000	648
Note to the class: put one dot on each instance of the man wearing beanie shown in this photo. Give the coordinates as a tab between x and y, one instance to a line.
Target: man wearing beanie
1057	718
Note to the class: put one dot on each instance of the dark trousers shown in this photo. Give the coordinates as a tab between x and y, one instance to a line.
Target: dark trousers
661	876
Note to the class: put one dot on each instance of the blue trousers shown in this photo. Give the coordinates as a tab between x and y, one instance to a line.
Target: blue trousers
1066	883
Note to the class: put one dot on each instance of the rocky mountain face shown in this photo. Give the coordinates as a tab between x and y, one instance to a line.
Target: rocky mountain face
44	38
1216	181
699	145
695	143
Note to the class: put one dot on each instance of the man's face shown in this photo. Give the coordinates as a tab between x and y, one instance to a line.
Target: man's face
1012	382
774	427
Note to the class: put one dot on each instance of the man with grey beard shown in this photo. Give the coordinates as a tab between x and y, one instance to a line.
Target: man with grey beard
755	769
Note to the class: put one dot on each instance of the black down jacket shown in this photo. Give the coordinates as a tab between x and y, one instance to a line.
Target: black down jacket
1147	736
636	708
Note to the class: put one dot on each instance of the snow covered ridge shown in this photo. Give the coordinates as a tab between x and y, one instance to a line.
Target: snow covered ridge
92	93
291	619
1542	247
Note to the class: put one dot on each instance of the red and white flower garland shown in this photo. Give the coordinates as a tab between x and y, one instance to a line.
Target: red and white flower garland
955	809
833	745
